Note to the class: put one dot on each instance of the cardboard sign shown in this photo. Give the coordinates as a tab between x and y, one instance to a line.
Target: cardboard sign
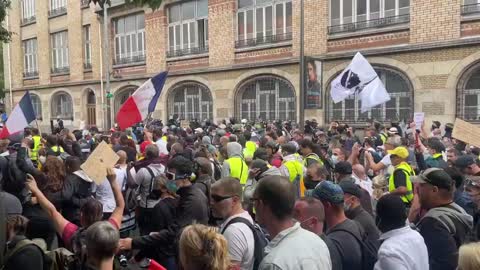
418	118
466	132
100	159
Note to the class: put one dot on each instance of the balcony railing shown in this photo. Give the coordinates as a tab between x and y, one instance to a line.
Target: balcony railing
470	9
84	3
60	70
87	66
129	60
189	51
57	12
30	74
263	40
370	24
29	20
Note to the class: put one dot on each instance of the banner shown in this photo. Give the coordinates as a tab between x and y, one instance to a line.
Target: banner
313	84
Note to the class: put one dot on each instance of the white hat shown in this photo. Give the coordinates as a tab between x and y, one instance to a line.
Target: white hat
222	126
244	121
393	130
198	130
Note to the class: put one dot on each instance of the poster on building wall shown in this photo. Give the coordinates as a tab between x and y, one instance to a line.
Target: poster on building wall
313	84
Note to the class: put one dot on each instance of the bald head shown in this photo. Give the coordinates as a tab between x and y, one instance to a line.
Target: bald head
359	171
122	157
224	140
281	140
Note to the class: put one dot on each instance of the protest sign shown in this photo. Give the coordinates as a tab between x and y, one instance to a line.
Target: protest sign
418	118
466	132
184	123
100	159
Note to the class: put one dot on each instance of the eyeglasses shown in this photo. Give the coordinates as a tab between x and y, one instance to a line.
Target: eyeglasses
218	198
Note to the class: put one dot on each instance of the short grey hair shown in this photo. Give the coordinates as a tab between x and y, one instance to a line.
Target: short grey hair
102	241
151	151
395	141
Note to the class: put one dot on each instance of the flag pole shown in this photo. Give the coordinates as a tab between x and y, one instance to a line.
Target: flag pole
38	126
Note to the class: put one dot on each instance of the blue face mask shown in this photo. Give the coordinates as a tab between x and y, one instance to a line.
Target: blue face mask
172	186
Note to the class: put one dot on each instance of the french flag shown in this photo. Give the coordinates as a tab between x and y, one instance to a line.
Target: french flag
142	102
21	116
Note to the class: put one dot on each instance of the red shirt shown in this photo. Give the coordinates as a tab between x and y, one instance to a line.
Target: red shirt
70	229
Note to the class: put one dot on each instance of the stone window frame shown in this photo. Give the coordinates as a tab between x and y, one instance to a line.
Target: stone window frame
60	52
62	105
367	20
121	40
470	8
57	8
252	107
463	92
28	11
379	114
37	105
177	26
87	46
197	101
30	58
249	8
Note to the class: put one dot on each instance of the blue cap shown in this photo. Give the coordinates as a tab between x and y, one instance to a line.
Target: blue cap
327	191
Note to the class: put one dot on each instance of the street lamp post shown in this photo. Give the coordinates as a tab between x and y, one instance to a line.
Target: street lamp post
302	67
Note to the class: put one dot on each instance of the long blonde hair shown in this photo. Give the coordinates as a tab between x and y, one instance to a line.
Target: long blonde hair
469	257
202	247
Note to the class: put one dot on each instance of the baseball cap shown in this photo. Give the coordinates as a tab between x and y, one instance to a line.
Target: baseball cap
222	126
326	191
343	167
198	130
400	152
435	177
464	161
351	188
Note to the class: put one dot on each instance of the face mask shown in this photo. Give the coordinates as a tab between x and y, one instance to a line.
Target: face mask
426	155
335	159
172	186
42	159
346	206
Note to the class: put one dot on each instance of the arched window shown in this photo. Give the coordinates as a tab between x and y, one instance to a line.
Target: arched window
398	108
266	98
122	96
190	100
62	106
37	105
468	98
91	97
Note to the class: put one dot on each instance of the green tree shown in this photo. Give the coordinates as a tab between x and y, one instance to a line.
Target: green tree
154	4
5	35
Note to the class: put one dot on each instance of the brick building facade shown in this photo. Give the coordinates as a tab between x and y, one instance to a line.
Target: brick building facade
241	57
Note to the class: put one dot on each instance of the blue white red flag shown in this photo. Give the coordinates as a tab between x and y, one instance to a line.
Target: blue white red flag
20	117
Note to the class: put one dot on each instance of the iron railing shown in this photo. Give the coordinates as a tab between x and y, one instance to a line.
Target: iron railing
470	9
129	60
59	70
57	12
84	3
189	51
28	20
370	24
87	66
242	43
30	74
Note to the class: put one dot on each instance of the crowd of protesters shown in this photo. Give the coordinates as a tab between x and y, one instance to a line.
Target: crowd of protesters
242	195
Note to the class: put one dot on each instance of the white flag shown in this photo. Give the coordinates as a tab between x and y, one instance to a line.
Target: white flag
359	78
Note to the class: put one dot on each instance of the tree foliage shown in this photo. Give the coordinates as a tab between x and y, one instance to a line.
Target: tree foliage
153	4
5	35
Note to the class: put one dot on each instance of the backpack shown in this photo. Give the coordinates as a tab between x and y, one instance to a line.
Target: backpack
369	250
58	259
259	236
150	188
130	197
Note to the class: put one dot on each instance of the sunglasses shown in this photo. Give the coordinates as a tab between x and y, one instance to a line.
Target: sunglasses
172	176
218	198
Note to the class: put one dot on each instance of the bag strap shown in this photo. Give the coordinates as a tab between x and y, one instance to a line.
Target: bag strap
151	184
22	244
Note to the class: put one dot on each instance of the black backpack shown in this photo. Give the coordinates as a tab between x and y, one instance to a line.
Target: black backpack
369	249
259	236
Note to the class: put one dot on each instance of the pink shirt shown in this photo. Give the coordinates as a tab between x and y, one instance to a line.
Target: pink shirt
70	229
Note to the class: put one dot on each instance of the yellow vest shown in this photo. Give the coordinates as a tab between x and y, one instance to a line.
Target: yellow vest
383	137
36	147
164	138
408	172
56	149
314	157
238	169
250	148
295	169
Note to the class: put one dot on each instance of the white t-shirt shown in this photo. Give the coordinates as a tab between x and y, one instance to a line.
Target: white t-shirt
162	147
241	243
388	165
104	191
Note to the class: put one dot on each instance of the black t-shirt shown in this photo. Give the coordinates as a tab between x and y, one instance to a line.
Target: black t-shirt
399	178
348	247
334	255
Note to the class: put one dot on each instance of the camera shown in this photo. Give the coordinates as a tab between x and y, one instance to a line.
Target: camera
123	260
